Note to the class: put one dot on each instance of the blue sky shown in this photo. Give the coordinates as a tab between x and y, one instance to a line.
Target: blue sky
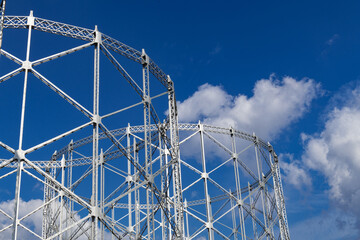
306	52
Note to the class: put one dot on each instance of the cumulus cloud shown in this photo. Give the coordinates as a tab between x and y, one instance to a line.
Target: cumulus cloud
33	222
335	153
294	171
274	105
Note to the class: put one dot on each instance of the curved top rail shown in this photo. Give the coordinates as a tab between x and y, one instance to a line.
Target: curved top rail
137	129
85	34
181	126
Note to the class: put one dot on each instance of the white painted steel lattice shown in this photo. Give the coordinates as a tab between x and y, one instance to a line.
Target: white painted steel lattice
152	179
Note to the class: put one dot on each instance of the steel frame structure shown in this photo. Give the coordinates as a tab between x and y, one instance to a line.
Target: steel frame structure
133	184
2	16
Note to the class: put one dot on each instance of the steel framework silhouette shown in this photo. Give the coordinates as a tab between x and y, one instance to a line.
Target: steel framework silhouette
132	182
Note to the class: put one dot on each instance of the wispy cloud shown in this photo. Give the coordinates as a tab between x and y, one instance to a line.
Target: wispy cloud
332	40
331	225
216	50
329	44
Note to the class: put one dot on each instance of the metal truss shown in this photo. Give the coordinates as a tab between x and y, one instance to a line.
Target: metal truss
2	16
157	180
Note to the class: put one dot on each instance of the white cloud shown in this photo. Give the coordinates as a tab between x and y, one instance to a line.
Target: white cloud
335	153
330	225
201	238
275	104
33	222
294	171
208	101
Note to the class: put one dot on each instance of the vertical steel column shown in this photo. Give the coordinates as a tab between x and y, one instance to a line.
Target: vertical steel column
252	211
267	206
2	16
187	220
102	189
129	179
113	221
168	192
239	202
96	122
175	157
47	211
49	220
261	180
163	186
17	198
148	152
27	67
46	207
62	197
204	175
19	154
279	195
70	205
233	216
136	192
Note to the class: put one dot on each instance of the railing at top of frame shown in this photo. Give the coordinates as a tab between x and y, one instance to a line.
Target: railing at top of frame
85	34
135	129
